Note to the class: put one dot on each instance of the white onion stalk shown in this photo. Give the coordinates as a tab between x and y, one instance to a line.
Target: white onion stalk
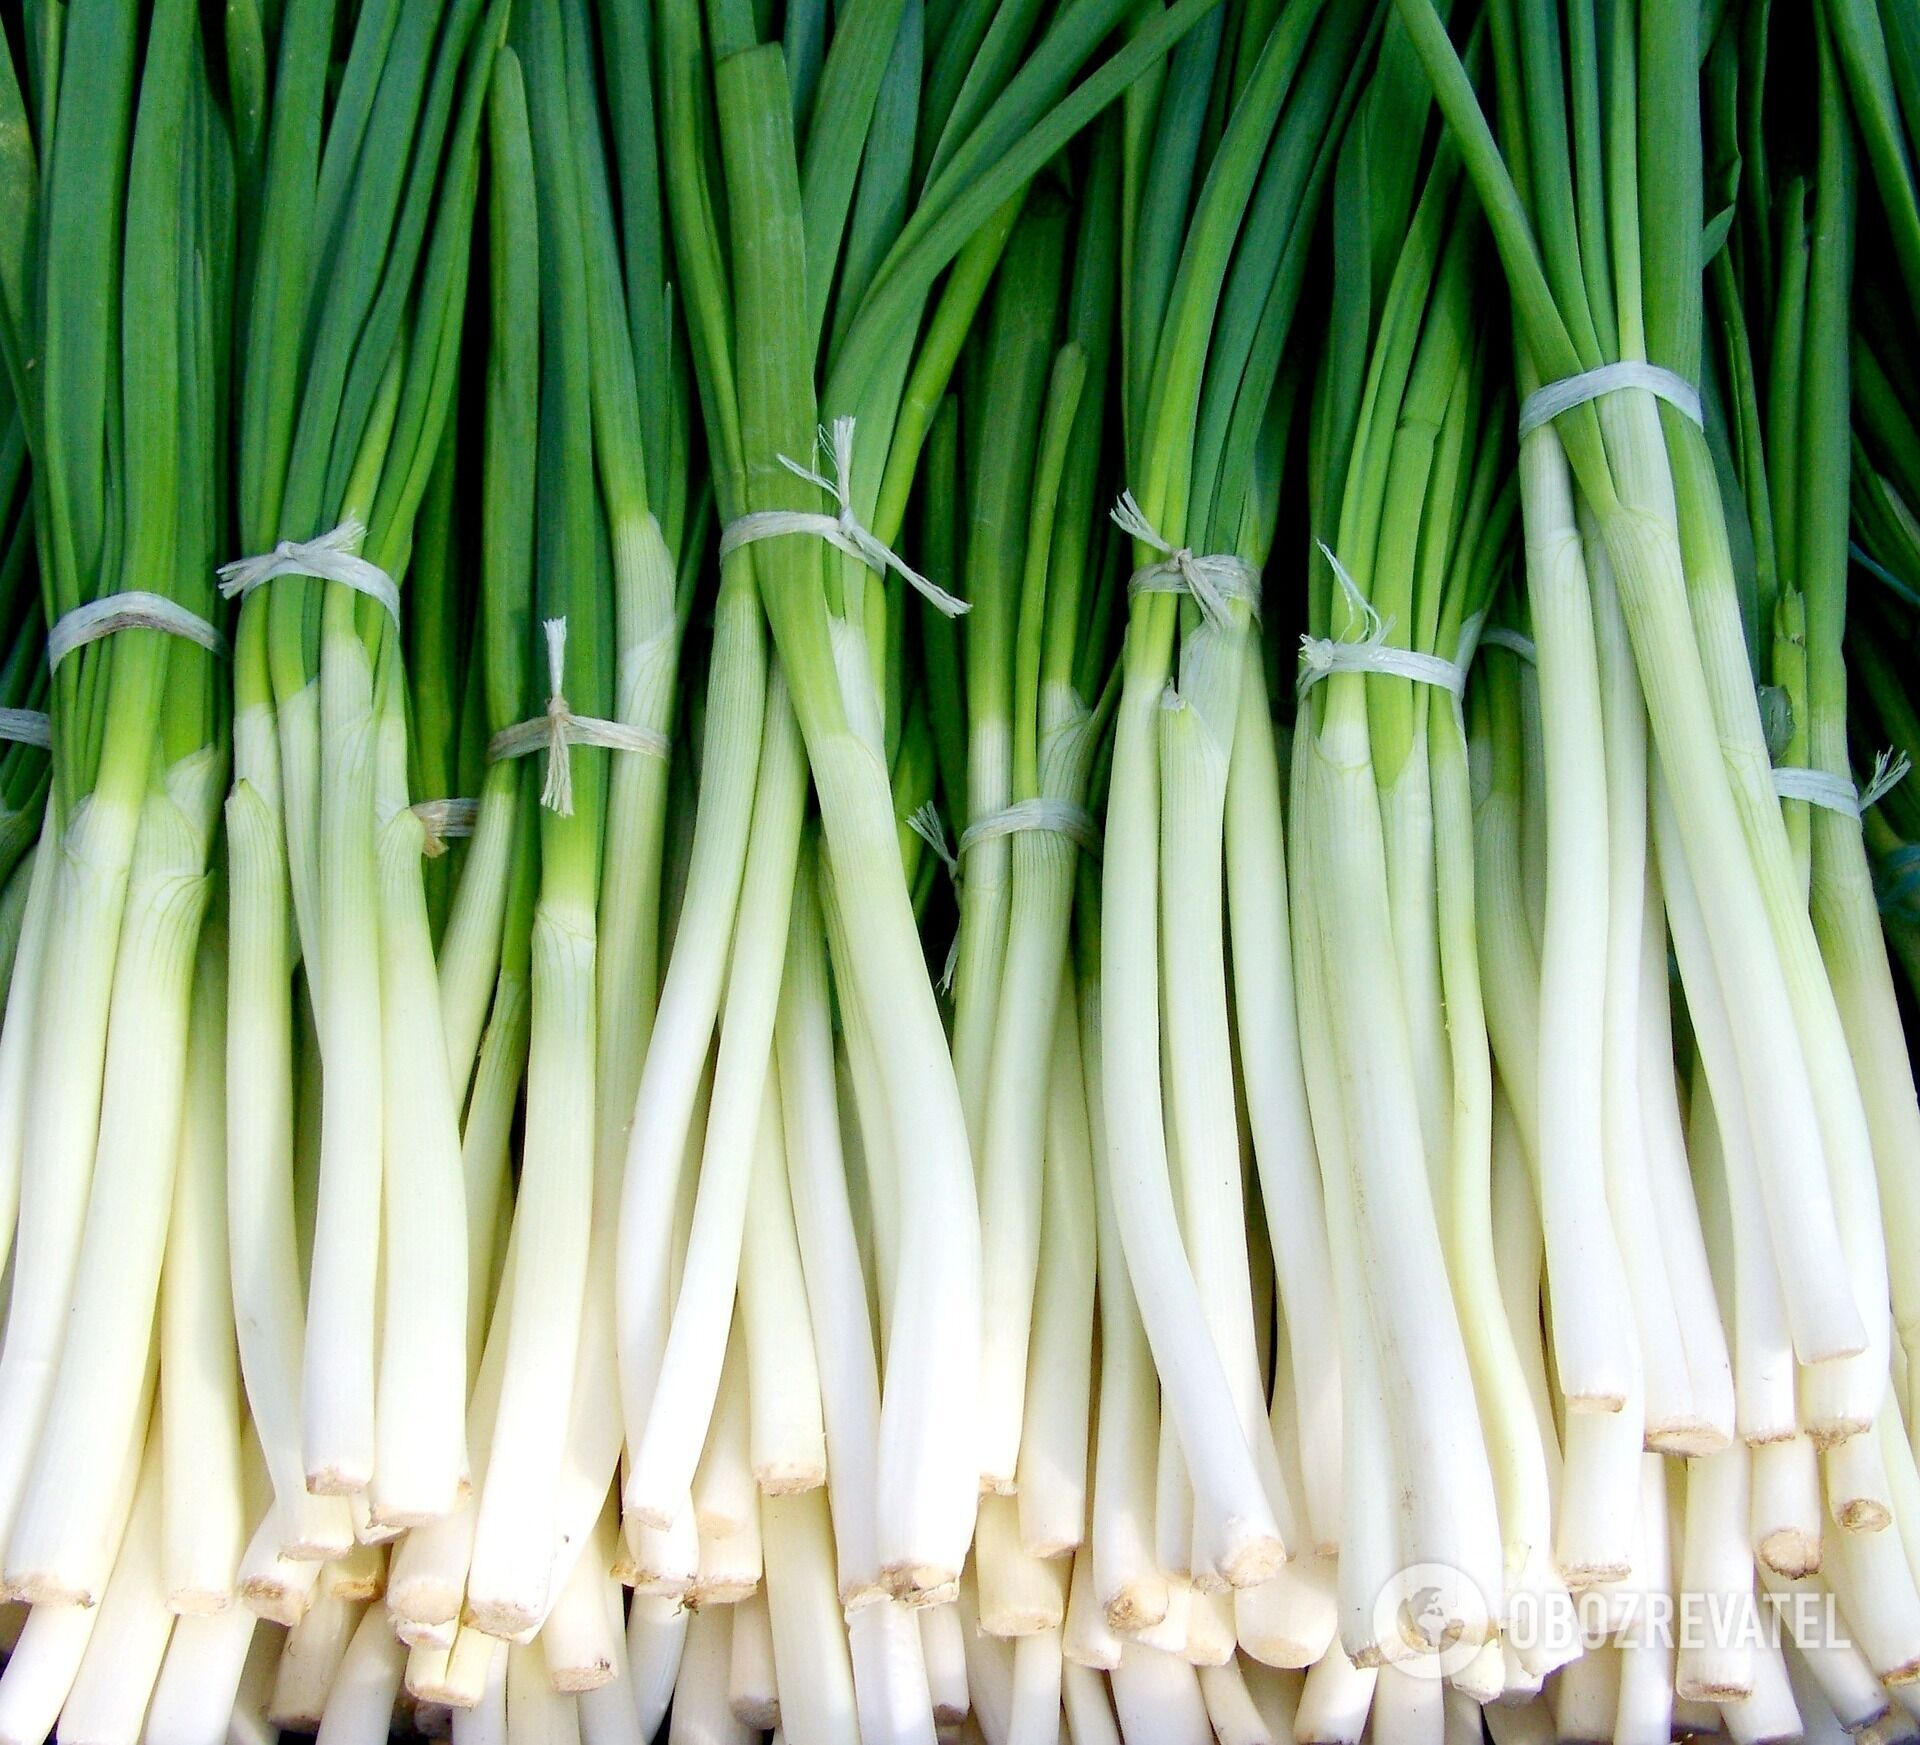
200	1409
63	1114
1512	1431
578	1635
20	1025
1714	793
836	1287
1586	1697
789	1445
1676	1210
338	1381
359	1702
1854	952
1019	1594
1645	1713
484	1720
1676	1420
1859	1490
664	1105
264	1248
1838	1668
656	1634
873	1171
271	1584
676	1418
486	1157
1726	1171
700	1696
1594	1350
57	1548
1787	1529
989	1664
1209	1628
1231	1710
516	1527
1842	1399
925	1482
1768	1713
469	954
1369	1530
809	1638
42	1664
40	1671
724	1497
247	1723
1427	1386
536	1710
1519	1250
1236	1518
624	1026
420	1446
428	1578
891	1687
129	1638
199	1683
1716	1563
1086	1639
1052	1472
1276	1097
1126	1577
1158	1697
1089	1707
1871	1578
1197	728
753	1692
943	1647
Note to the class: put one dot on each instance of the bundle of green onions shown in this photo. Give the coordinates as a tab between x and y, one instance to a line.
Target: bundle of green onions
1021	930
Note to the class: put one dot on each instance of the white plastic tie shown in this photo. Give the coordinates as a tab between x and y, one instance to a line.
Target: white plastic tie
134	610
332	557
1322	656
1818	787
27	727
443	820
1057	817
1215	581
1546	403
1501	636
842	530
560	728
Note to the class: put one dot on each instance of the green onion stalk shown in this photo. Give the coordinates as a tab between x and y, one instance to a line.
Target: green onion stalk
119	363
792	215
1040	360
1875	57
1809	460
515	1528
608	381
1380	780
486	951
360	246
1683	1395
437	678
1210	283
1052	683
1601	249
